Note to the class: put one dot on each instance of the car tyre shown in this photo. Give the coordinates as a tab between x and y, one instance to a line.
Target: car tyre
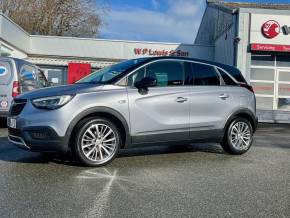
238	137
97	141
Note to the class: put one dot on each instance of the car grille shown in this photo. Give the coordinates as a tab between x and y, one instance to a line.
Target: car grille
17	107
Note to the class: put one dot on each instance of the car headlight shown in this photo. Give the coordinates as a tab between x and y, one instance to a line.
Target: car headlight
51	103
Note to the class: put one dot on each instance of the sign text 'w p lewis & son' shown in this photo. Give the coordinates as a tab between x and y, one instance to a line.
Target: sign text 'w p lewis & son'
156	52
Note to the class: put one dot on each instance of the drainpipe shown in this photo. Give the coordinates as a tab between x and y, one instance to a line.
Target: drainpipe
237	39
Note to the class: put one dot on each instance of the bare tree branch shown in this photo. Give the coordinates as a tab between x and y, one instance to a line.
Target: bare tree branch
80	18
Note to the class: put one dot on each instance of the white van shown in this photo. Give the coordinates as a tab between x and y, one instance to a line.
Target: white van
16	77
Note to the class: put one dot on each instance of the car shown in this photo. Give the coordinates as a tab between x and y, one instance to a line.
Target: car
17	76
139	102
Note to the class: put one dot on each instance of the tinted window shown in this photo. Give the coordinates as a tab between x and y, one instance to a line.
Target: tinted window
234	72
205	75
136	77
167	73
227	79
28	78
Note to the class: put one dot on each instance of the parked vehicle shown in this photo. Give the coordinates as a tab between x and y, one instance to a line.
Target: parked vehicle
147	101
17	77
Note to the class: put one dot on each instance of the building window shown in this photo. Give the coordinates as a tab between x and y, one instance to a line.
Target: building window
270	78
263	60
283	61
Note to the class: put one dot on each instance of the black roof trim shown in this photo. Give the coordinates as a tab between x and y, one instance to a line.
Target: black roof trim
189	59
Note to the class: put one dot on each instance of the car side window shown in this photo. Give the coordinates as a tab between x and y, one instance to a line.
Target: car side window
167	73
204	75
136	77
28	78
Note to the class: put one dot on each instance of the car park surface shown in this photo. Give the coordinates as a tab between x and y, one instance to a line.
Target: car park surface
197	180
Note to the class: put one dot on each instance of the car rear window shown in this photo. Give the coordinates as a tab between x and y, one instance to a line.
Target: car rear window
41	79
5	72
235	73
227	79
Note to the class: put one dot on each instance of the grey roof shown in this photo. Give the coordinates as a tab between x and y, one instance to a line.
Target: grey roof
230	6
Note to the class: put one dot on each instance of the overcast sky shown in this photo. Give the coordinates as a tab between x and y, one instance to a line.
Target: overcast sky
156	20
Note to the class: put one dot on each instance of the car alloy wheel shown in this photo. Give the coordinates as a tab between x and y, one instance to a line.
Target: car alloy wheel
241	136
238	137
98	142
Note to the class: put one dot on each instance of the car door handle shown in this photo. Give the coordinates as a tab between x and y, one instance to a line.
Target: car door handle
224	96
181	100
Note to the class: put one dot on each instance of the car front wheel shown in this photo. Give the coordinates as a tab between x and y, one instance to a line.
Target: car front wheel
97	141
238	137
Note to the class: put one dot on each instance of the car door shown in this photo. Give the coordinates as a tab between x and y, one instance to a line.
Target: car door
162	113
6	85
210	102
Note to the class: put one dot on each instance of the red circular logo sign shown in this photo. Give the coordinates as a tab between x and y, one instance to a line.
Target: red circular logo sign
271	29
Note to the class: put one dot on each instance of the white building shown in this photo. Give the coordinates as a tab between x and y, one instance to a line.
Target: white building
54	53
253	37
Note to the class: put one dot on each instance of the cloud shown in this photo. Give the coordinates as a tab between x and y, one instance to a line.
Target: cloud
186	8
178	23
155	4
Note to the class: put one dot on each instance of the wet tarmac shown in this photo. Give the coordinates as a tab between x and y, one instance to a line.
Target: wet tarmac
197	180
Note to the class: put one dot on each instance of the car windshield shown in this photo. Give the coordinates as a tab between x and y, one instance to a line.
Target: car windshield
105	75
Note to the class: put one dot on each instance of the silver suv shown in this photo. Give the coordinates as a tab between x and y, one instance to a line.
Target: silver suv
147	101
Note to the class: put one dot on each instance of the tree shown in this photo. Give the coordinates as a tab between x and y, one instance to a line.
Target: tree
79	18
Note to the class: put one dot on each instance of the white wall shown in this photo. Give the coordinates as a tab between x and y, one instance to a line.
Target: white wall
13	34
243	54
82	48
107	49
257	21
15	52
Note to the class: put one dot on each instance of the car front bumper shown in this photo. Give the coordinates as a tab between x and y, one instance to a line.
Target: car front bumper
38	138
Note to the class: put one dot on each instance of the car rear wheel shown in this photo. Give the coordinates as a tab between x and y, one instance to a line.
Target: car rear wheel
238	137
97	142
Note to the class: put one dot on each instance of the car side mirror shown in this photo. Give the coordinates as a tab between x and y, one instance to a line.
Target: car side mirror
145	83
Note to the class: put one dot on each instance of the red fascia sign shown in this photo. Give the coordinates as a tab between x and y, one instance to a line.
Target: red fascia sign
76	71
156	52
270	47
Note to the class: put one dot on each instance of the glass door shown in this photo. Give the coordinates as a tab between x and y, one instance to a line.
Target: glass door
282	90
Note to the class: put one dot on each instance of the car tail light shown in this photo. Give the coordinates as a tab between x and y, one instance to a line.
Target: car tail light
15	89
247	86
